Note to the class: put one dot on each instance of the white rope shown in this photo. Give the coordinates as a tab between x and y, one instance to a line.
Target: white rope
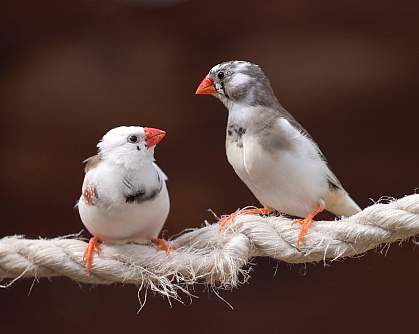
208	256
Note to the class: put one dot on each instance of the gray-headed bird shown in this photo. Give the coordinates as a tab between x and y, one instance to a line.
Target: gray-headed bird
270	151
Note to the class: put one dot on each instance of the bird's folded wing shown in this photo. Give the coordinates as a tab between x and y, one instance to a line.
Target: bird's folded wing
91	162
333	180
331	177
159	170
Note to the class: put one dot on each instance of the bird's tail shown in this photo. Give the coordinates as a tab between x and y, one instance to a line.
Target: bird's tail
341	204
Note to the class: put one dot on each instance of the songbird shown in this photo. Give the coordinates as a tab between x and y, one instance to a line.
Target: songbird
270	151
124	195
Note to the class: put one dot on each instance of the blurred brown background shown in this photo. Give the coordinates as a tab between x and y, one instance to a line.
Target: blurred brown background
71	70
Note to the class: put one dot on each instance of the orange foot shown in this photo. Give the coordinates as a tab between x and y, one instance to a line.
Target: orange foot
92	246
305	224
257	211
161	244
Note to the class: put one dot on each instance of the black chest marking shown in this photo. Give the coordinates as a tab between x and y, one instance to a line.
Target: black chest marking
138	193
224	90
235	134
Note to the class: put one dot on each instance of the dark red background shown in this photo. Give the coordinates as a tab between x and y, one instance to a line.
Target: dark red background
71	70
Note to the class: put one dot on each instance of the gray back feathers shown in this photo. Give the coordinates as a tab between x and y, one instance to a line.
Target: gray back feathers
257	92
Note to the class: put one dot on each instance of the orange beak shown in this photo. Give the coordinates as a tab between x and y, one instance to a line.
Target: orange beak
153	136
206	87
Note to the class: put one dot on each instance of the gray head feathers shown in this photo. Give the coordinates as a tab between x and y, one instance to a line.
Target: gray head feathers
243	82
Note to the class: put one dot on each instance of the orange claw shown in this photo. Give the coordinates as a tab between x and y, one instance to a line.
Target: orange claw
161	244
91	247
256	211
305	224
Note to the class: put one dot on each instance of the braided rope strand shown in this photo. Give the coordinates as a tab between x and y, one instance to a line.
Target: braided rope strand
209	256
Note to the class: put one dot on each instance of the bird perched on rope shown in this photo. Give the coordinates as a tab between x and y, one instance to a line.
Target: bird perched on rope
270	151
124	194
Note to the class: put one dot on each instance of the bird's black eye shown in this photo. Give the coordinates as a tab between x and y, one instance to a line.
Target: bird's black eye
132	139
220	75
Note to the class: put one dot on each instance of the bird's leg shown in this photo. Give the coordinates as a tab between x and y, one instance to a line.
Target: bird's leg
256	211
161	244
306	223
91	247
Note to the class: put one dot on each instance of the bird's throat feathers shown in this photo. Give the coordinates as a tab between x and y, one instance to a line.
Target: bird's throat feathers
252	118
241	114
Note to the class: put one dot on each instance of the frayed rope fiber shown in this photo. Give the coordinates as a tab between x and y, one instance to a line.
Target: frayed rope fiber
209	256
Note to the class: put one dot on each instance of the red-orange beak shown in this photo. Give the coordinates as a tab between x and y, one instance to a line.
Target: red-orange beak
206	87
153	136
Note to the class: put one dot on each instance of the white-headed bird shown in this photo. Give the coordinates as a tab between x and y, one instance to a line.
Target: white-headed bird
124	195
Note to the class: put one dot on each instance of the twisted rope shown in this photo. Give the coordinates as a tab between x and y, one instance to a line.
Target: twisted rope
209	256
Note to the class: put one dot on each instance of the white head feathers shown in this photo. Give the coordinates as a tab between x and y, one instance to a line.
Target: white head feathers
126	145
